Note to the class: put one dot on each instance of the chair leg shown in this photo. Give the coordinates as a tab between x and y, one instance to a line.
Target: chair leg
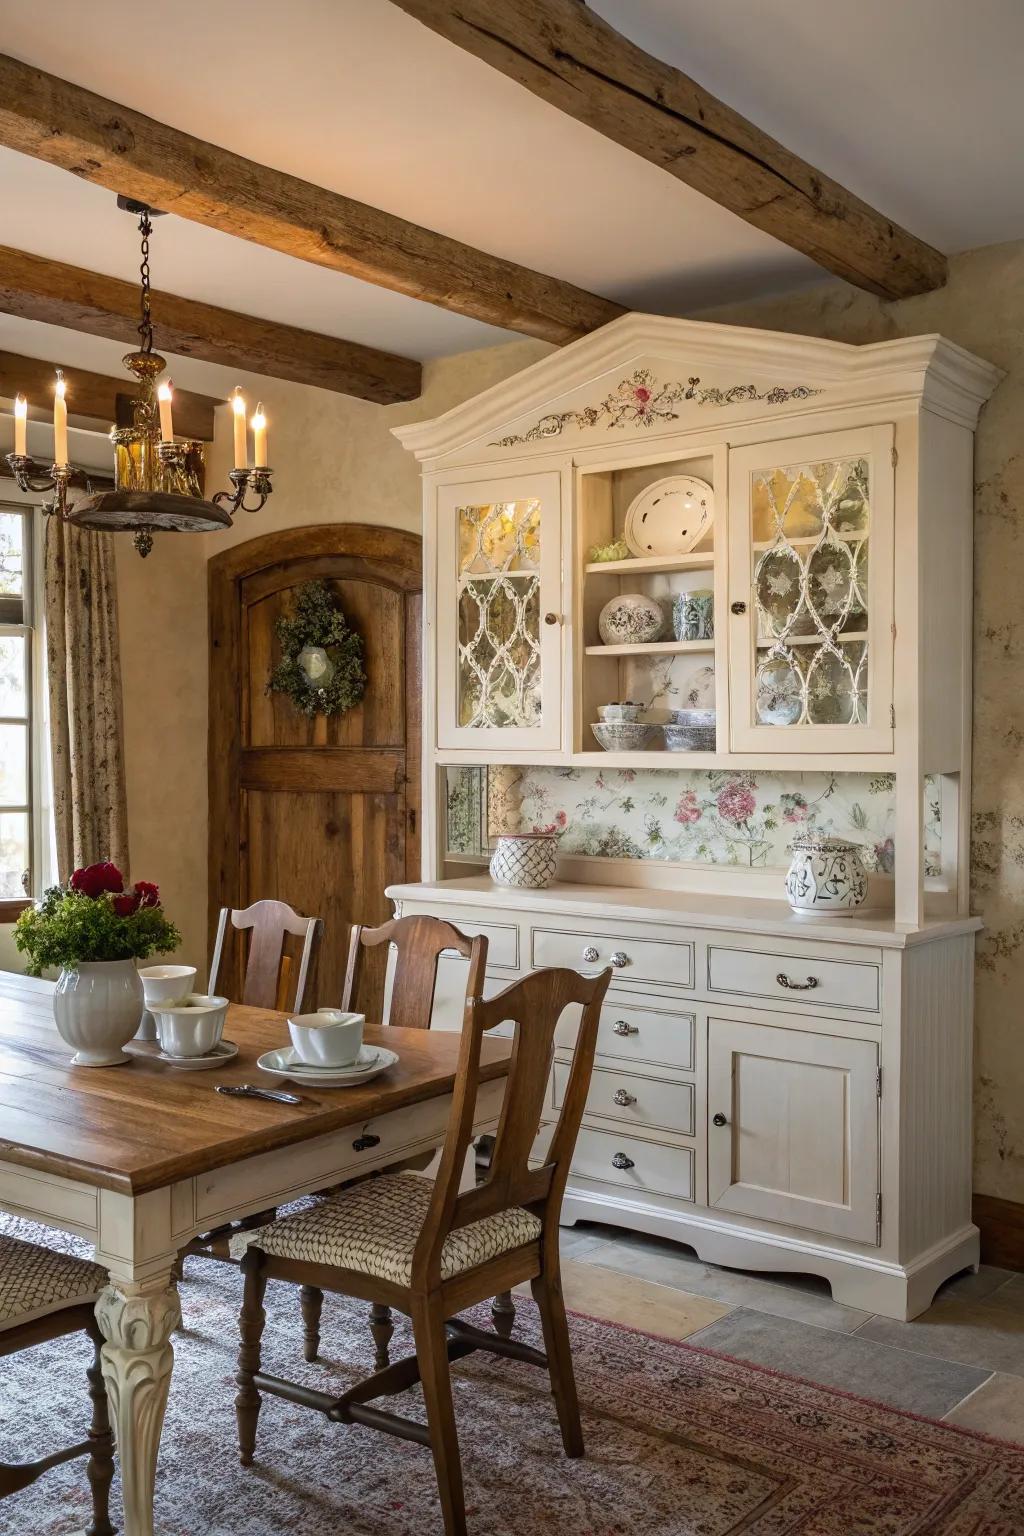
101	1457
311	1301
432	1355
503	1312
382	1327
251	1323
547	1293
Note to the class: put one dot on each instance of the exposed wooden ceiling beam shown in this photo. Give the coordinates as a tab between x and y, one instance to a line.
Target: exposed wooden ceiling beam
564	53
115	147
98	395
39	289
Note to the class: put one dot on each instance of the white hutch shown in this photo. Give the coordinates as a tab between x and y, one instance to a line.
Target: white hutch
778	1092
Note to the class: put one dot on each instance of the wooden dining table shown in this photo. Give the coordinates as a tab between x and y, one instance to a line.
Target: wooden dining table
142	1157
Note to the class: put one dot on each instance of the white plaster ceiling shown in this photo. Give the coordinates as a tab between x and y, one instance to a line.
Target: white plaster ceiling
913	104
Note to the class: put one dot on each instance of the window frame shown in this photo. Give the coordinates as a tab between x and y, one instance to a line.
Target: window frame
30	627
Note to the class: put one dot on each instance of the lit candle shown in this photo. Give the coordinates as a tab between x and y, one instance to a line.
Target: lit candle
259	433
164	394
241	450
20	424
60	422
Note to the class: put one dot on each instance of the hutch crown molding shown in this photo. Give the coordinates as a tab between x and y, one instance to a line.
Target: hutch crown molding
779	1092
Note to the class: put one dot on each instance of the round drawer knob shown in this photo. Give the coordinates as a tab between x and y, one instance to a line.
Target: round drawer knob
619	958
621	1027
622	1162
719	1120
590	954
622	1098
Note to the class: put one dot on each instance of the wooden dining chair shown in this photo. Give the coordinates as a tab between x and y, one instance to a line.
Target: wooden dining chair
270	962
419	942
431	1250
46	1295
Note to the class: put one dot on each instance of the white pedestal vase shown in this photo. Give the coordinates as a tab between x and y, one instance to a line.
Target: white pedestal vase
97	1007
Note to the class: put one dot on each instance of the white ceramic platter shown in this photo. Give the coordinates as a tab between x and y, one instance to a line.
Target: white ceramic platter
284	1064
218	1057
701	692
670	517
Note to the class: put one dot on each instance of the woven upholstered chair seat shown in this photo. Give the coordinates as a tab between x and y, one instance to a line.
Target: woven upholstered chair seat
372	1228
35	1281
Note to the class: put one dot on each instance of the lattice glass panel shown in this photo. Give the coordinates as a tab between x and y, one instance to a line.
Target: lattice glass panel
810	527
499	683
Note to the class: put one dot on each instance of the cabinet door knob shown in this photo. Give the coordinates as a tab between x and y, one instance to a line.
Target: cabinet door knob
719	1120
621	1027
622	1162
590	954
738	607
796	986
622	1098
619	958
551	618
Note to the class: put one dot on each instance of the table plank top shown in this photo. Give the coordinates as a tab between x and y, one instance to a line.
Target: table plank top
146	1124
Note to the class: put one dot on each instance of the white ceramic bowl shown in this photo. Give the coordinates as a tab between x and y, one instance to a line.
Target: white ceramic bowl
616	712
328	1038
192	1027
167	983
623	735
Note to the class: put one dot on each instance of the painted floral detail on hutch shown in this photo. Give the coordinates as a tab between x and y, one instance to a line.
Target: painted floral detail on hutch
744	819
640	401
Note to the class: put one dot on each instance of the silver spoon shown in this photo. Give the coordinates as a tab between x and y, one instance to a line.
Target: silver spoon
250	1091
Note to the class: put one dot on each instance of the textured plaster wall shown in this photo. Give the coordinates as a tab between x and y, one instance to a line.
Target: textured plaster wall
982	308
336	461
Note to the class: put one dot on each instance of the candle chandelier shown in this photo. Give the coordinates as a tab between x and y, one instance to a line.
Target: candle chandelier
158	478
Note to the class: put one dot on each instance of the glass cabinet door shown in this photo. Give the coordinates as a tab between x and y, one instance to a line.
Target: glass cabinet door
811	552
499	632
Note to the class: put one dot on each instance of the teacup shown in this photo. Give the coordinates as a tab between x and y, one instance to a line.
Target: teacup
327	1038
192	1027
162	984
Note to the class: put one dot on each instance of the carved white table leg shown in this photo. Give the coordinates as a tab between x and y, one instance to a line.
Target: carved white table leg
137	1322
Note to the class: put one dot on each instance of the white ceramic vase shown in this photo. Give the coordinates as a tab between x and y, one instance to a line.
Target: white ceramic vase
826	876
525	859
632	618
97	1007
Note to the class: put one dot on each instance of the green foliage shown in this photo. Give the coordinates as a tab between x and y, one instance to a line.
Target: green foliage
67	927
316	619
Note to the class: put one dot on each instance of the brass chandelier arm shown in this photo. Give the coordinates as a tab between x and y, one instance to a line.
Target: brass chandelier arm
242	479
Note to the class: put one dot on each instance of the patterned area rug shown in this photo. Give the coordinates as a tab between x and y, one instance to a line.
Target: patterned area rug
680	1442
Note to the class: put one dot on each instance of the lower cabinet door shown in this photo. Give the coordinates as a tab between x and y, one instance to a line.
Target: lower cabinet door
793	1127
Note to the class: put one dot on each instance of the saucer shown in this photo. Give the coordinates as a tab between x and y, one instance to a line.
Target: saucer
285	1064
150	1050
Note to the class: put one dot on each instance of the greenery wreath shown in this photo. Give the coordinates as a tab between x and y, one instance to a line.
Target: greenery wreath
316	621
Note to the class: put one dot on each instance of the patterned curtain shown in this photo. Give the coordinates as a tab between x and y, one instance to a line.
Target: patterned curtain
86	724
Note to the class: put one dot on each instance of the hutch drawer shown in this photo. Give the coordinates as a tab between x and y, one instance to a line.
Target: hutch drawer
502	942
630	1162
659	1104
640	1035
632	959
807	977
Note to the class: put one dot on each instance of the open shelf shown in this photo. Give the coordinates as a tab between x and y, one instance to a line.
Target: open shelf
651	565
651	759
652	648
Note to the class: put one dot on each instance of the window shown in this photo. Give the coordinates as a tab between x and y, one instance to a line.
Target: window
24	840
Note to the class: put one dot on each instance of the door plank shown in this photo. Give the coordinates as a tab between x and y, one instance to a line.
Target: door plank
347	769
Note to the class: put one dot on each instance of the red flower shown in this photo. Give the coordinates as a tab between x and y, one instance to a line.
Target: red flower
126	904
688	809
97	878
147	892
736	803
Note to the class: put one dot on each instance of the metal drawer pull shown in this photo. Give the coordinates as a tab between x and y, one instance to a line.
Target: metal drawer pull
719	1120
621	1027
619	958
622	1162
622	1098
590	954
796	986
365	1142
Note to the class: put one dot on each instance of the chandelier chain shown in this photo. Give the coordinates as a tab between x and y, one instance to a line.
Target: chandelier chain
146	322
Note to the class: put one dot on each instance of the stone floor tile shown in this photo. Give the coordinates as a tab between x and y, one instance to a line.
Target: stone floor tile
995	1408
977	1333
918	1383
635	1303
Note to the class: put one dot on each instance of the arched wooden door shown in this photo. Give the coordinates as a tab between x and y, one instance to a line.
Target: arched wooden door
320	813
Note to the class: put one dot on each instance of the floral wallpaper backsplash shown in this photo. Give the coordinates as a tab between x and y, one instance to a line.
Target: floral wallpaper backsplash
705	816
